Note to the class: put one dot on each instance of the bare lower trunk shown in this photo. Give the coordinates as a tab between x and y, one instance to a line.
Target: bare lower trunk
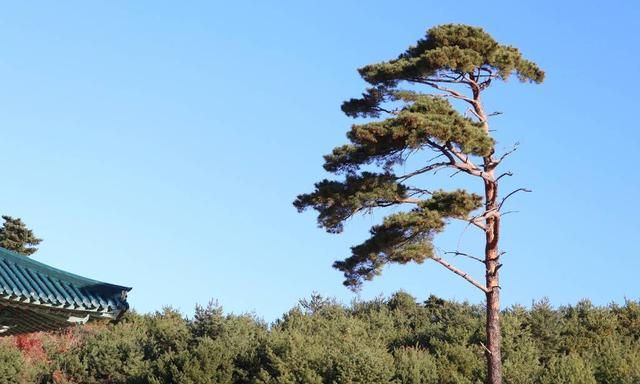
494	355
492	264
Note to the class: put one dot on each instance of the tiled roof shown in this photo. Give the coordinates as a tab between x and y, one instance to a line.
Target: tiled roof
37	297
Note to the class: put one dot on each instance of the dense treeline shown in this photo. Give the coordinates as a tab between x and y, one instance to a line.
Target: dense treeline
393	340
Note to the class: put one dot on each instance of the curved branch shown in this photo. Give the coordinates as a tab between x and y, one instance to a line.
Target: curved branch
465	159
433	83
430	167
504	174
457	253
496	162
461	273
466	166
418	191
511	194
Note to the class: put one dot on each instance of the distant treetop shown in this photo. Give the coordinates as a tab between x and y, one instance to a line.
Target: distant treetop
15	236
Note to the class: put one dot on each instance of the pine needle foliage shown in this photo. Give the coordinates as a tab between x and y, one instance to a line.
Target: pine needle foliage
403	122
15	236
396	340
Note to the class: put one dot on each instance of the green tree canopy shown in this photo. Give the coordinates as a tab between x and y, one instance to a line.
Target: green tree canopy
397	340
410	121
15	236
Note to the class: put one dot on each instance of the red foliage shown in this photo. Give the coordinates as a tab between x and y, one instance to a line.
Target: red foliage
31	346
58	377
66	339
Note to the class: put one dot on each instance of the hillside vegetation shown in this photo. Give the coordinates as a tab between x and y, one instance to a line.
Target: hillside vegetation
395	340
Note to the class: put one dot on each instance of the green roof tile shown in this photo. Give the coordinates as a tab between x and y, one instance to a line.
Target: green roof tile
38	297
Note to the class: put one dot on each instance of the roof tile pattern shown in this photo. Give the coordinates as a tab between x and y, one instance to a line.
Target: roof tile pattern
37	297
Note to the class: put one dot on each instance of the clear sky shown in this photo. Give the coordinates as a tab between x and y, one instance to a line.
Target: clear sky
160	144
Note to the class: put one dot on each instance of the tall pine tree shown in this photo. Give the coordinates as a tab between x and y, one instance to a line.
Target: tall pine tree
15	236
453	63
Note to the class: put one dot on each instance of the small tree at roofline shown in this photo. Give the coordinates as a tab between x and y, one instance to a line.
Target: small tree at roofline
15	236
456	62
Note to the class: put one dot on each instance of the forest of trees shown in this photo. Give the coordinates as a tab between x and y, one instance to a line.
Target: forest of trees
394	340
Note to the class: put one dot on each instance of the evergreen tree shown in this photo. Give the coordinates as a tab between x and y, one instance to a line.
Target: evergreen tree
390	341
455	63
15	236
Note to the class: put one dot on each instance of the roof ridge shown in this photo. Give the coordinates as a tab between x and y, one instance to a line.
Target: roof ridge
27	262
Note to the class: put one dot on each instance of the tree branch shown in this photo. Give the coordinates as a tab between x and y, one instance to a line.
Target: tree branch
457	253
511	194
452	92
460	79
419	191
430	167
435	157
383	204
504	174
442	149
496	162
451	154
467	165
389	111
475	220
474	113
410	200
388	203
478	220
465	159
461	273
470	170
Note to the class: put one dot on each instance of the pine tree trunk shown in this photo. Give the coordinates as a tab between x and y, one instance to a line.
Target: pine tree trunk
493	352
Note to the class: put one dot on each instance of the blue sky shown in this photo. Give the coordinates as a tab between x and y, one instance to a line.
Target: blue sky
159	145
